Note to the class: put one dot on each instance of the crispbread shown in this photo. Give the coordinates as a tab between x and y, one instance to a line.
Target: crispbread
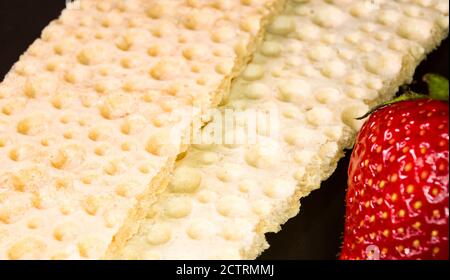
323	65
96	110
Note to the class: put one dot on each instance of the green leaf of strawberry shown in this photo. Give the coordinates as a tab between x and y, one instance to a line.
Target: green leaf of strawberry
397	199
437	86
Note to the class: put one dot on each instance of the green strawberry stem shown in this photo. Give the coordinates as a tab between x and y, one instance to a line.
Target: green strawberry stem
437	86
437	89
404	97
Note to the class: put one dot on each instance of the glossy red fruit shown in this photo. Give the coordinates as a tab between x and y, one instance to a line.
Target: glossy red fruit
397	199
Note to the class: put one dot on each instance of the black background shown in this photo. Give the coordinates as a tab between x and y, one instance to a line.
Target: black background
316	232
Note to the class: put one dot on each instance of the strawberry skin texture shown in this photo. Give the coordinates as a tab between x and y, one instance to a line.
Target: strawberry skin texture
397	199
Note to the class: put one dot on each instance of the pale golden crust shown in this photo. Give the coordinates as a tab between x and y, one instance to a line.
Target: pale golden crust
323	64
96	110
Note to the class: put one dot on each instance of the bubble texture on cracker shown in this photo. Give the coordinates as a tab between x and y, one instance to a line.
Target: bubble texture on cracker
323	64
92	116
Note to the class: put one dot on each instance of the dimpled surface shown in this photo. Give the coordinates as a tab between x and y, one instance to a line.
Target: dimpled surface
321	65
93	114
398	184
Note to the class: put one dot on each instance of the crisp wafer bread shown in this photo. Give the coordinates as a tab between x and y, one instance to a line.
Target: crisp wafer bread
93	115
322	65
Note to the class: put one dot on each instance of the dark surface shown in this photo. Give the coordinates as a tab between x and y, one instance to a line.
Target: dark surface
316	232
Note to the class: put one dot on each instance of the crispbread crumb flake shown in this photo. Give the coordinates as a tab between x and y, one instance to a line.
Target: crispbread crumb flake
322	65
87	112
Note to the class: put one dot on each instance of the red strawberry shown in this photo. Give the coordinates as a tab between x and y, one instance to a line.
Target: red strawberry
397	200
